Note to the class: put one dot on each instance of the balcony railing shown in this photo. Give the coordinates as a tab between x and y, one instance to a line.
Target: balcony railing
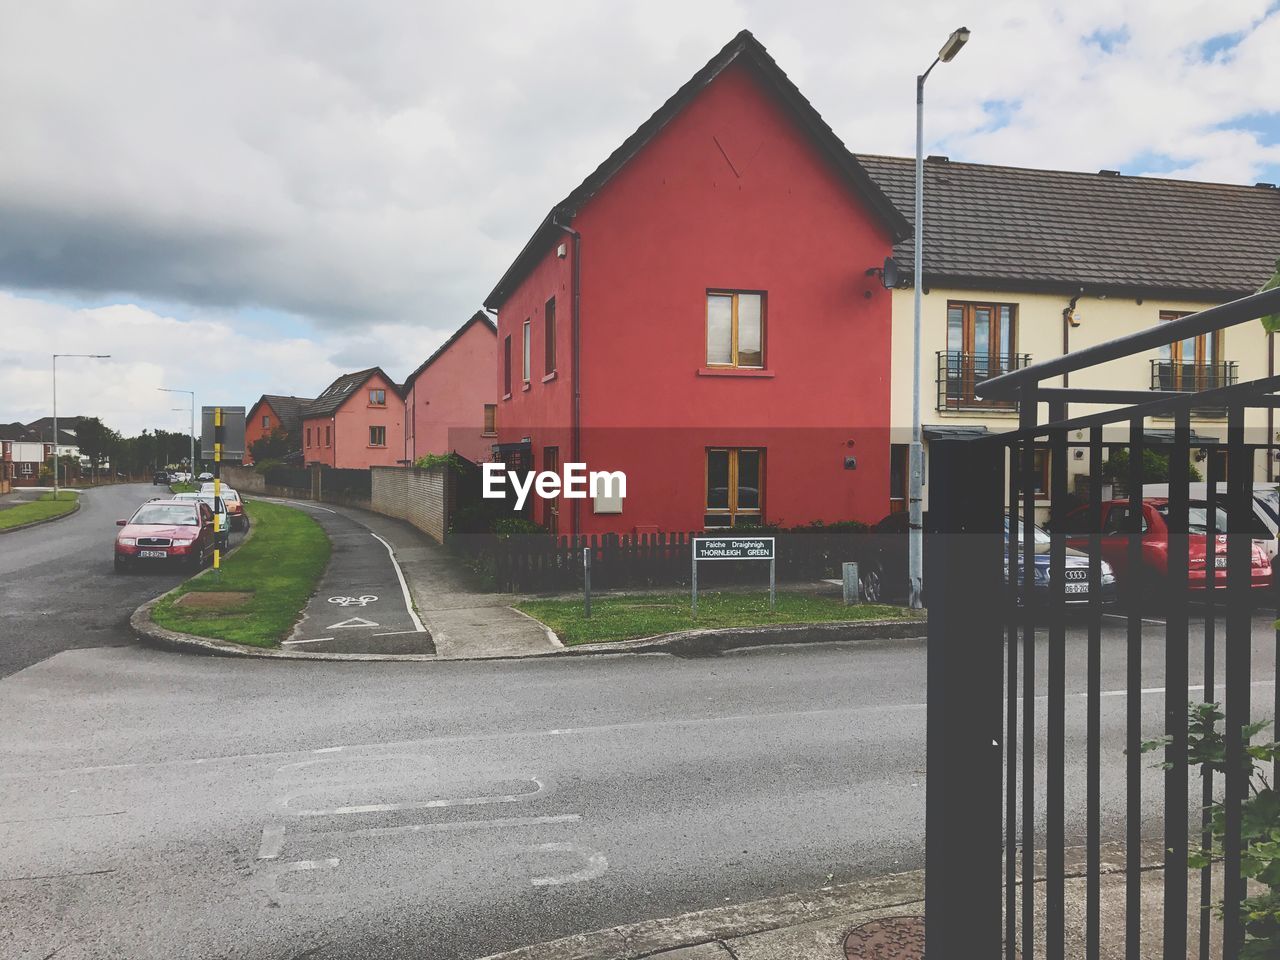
1191	377
959	373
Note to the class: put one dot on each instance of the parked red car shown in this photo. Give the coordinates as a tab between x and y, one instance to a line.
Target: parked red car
1155	545
167	531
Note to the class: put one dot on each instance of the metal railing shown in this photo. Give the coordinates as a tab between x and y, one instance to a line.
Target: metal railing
959	375
1018	721
1188	377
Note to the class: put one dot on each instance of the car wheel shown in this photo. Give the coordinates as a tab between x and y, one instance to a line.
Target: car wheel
122	565
872	585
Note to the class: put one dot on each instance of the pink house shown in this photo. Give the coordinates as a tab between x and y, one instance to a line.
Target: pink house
356	423
451	401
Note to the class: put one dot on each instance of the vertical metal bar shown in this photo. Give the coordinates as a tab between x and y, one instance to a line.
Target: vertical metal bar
964	715
1056	704
586	583
693	553
1011	717
1093	709
1214	474
773	593
1176	794
1238	650
1028	414
1133	684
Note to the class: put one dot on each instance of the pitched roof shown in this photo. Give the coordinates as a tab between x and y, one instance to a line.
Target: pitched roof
478	317
743	47
43	428
335	394
17	431
1017	228
288	409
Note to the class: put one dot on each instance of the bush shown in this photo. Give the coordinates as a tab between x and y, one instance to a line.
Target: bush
1155	467
506	527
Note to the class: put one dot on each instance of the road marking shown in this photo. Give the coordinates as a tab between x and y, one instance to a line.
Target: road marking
1121	616
272	841
300	503
404	587
327	749
396	633
456	825
353	622
596	864
283	803
363	600
289	643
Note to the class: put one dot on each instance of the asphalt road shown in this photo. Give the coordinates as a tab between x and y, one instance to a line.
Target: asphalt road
58	589
159	805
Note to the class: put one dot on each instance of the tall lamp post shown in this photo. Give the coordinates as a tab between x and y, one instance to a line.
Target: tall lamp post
915	544
192	395
90	356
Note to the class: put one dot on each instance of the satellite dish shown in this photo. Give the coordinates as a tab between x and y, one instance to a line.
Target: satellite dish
889	276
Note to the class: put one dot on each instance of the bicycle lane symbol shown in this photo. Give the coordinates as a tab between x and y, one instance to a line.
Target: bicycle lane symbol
360	601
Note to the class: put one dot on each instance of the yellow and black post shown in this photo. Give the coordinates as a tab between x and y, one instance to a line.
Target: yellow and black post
217	485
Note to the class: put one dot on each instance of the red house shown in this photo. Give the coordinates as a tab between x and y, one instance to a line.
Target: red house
357	422
701	314
22	455
271	413
450	403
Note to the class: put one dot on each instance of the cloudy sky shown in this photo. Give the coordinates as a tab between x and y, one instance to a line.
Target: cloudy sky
248	197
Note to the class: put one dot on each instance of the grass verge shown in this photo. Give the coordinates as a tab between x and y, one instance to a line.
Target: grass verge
41	509
629	617
279	566
184	487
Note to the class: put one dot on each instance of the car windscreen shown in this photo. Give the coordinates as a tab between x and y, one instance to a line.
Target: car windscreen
167	514
1039	534
1198	518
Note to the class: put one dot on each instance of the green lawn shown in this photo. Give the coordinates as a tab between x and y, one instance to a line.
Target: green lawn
41	509
628	617
279	565
185	487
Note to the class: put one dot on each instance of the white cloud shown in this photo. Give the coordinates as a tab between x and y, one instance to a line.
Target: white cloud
220	357
372	169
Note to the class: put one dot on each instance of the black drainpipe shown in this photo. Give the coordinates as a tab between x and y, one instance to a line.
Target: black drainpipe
1067	324
575	432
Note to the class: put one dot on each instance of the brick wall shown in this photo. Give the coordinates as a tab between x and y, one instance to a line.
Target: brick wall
421	497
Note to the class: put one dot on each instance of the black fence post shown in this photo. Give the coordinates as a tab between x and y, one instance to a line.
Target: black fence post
963	831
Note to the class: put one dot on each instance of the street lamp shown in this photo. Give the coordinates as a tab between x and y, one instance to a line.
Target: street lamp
192	395
915	540
90	356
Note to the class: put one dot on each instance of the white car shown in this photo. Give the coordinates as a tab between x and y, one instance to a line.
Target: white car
219	507
235	506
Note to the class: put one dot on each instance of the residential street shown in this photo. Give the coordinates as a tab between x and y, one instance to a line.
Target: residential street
58	590
160	805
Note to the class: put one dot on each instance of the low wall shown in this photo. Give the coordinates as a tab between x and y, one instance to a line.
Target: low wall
248	480
421	497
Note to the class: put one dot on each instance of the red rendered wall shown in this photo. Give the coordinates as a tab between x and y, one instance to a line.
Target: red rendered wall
253	429
680	219
351	422
444	410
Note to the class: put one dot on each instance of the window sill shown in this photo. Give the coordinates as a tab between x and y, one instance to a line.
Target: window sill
734	372
377	406
549	377
488	434
527	387
506	396
376	446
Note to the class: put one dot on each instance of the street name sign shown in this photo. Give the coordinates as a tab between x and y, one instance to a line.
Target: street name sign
732	548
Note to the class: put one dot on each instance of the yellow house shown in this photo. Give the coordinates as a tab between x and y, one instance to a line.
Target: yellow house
1022	265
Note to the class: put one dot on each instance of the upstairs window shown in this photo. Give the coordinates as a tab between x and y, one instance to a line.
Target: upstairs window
735	329
328	435
506	366
377	436
549	331
378	398
308	436
266	422
490	419
528	343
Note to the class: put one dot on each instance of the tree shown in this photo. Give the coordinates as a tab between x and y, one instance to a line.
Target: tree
1155	467
96	441
274	446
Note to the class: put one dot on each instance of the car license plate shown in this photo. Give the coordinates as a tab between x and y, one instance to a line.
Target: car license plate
153	553
1077	588
1220	562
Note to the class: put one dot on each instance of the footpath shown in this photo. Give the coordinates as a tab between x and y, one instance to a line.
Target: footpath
876	919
